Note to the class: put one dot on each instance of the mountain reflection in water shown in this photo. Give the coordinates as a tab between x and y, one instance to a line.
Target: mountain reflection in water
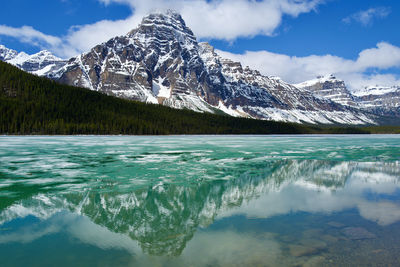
163	218
201	205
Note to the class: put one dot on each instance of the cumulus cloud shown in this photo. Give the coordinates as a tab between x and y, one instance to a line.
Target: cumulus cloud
82	38
28	34
357	73
366	17
215	19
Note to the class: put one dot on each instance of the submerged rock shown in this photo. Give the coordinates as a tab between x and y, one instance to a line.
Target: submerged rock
314	243
307	247
314	261
357	233
336	224
301	250
312	233
329	238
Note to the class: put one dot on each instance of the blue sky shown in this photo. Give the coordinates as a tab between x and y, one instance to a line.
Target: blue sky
294	39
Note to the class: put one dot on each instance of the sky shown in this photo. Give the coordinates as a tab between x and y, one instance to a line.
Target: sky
297	40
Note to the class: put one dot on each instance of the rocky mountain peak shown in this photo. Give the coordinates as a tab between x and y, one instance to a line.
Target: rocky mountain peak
328	86
206	48
7	54
163	26
45	54
171	16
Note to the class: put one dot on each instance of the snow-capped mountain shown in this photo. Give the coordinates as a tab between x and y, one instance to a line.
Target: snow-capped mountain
386	99
375	99
6	53
162	62
42	63
376	90
331	88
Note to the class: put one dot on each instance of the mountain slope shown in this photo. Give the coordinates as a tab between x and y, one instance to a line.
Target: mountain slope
383	101
380	100
162	62
42	63
33	105
7	54
331	88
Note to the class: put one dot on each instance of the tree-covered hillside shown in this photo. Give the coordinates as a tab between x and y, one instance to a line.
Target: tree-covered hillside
35	105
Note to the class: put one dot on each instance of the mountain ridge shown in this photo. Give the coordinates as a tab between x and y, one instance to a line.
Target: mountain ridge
378	100
36	105
161	62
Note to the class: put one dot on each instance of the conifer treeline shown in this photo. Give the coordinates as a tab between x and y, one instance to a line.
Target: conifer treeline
36	105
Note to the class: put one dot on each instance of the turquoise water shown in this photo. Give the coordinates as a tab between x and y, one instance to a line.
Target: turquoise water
200	201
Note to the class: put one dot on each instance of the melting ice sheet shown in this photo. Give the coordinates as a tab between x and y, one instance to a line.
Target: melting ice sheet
200	201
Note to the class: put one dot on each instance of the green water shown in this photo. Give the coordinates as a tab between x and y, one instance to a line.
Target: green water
200	201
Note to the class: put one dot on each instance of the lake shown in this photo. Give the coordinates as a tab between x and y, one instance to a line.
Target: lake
200	200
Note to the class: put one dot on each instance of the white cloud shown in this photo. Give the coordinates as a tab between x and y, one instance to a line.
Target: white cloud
227	19
231	19
366	17
217	19
298	69
28	34
83	38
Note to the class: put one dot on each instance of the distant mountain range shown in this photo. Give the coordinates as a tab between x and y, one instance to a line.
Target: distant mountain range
161	62
378	100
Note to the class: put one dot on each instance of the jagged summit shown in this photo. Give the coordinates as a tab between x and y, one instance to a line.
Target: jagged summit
45	53
328	86
169	17
165	14
6	53
41	63
378	100
377	90
319	79
163	26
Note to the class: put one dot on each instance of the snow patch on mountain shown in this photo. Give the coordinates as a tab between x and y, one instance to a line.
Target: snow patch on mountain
319	79
6	53
19	59
329	87
42	63
376	90
160	90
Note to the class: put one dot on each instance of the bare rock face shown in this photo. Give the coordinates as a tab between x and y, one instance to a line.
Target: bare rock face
158	62
331	88
381	101
247	91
